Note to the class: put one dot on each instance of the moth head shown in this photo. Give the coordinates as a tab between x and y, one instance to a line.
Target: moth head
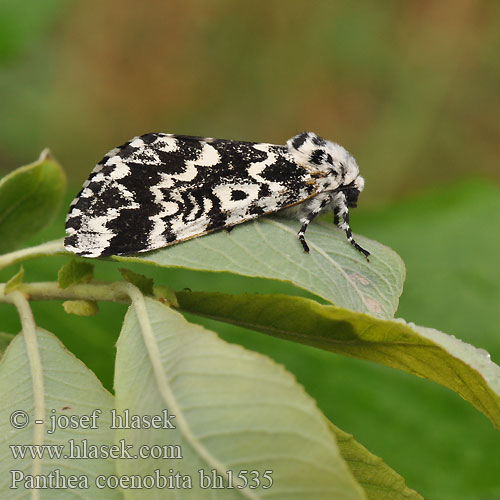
317	153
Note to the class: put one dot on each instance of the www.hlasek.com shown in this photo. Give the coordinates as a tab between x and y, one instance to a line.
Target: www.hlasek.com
87	449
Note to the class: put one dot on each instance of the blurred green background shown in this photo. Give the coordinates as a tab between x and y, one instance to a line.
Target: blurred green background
410	88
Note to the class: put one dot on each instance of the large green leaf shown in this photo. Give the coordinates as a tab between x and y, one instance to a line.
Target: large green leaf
234	410
269	248
69	389
29	199
421	351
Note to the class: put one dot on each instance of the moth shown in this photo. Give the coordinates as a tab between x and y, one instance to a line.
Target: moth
160	189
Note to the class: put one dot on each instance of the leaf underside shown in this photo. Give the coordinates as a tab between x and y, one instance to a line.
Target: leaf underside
70	388
269	248
235	409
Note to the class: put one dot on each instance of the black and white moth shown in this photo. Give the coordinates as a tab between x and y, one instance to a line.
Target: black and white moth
160	189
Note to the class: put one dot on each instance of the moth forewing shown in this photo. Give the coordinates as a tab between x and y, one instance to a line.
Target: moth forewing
161	189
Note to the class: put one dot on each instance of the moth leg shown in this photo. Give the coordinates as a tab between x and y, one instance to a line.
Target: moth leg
336	216
228	229
307	219
341	217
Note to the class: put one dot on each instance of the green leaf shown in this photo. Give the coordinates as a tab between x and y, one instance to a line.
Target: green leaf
144	284
234	410
5	340
74	272
81	307
269	248
378	480
29	199
69	389
415	349
15	281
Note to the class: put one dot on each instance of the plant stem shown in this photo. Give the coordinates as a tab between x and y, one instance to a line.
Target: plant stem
50	290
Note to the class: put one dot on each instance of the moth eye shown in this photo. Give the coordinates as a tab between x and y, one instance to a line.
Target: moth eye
238	194
352	195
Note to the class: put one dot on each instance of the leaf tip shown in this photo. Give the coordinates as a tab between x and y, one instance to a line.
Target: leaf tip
45	155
